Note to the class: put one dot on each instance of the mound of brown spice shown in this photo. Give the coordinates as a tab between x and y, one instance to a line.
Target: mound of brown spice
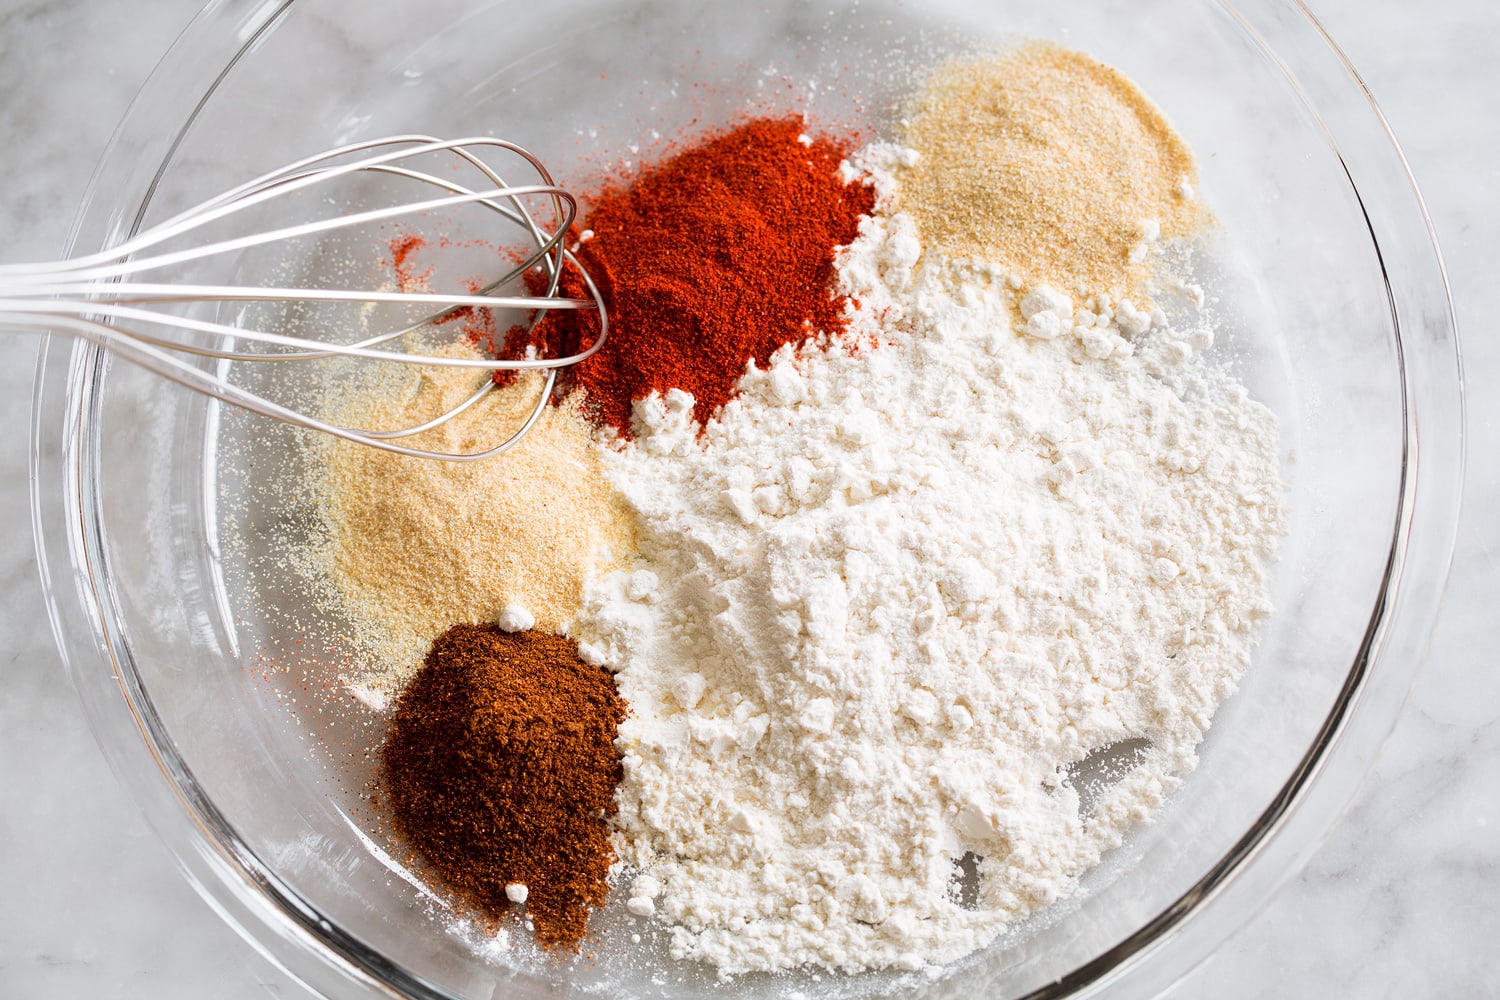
500	767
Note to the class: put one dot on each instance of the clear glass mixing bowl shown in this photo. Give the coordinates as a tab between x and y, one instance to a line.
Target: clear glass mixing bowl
167	616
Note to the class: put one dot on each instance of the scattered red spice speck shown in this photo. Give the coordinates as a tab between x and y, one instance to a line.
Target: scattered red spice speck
402	247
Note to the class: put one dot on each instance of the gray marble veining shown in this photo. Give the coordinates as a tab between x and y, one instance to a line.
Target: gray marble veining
1398	902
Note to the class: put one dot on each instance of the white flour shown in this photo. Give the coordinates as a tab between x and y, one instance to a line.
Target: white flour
894	591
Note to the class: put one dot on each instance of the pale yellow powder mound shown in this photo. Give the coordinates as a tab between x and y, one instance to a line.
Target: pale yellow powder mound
1050	164
416	545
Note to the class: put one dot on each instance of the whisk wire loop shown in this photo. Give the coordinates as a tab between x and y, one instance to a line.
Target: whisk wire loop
89	297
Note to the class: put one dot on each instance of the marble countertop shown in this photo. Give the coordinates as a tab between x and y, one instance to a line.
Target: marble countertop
1399	901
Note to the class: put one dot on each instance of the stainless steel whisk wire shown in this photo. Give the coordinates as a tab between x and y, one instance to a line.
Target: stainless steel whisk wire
88	297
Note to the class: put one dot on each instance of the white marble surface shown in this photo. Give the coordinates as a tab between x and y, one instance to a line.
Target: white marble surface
1400	901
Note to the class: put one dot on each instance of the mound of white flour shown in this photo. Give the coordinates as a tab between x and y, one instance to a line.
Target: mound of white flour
898	587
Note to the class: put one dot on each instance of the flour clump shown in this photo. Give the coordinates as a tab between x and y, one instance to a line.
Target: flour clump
903	583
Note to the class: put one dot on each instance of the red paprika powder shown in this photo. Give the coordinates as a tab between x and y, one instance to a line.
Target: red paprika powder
718	255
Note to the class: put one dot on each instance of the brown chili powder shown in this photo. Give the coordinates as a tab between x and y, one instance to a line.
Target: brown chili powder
500	769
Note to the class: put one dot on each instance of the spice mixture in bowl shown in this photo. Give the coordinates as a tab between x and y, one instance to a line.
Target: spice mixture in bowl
983	555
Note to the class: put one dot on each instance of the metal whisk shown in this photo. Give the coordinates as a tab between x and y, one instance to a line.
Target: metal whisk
92	297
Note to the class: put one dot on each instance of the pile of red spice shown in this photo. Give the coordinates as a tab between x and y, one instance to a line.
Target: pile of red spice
500	769
720	254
